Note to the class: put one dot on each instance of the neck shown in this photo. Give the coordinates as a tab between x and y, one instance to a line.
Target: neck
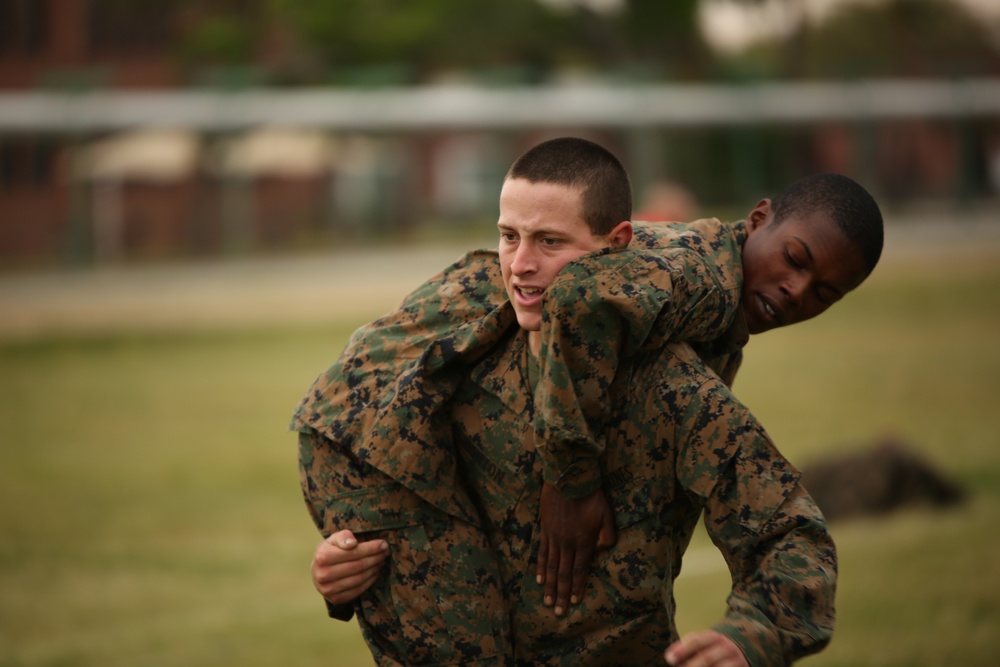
534	342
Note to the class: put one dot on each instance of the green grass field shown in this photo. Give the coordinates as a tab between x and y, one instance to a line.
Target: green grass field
150	512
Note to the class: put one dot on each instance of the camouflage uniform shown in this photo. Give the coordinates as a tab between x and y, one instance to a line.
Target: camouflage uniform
677	443
375	457
375	450
677	282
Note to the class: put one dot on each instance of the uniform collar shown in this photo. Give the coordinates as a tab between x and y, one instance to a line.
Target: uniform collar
503	373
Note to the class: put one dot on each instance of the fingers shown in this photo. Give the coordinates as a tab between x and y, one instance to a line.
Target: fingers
565	574
344	539
564	578
344	582
342	547
570	531
543	553
343	568
704	649
581	568
608	536
347	589
551	572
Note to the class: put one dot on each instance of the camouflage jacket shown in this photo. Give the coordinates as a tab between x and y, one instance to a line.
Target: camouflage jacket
678	445
383	397
675	283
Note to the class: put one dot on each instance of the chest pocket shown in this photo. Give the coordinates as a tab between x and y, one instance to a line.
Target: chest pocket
497	458
498	482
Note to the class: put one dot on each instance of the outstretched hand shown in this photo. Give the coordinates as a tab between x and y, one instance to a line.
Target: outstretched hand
571	531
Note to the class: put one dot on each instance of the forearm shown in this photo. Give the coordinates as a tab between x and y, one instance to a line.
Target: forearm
603	308
782	603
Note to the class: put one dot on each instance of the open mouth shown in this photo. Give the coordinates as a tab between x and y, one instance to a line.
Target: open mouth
769	311
529	294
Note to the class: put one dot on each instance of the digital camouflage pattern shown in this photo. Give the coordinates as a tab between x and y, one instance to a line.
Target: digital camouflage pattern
680	282
375	457
438	600
382	397
381	400
678	443
379	408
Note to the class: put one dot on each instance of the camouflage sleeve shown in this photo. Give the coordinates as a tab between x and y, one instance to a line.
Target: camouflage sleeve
342	398
782	603
605	307
383	399
774	539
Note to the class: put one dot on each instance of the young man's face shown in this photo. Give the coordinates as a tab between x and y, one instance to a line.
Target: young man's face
796	269
541	231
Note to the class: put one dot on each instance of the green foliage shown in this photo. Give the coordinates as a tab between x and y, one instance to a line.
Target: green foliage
437	34
666	33
455	35
400	41
219	40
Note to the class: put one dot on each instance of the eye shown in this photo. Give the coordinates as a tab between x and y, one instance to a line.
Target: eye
550	242
793	261
507	236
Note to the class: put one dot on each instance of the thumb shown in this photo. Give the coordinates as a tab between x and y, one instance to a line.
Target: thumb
344	539
608	535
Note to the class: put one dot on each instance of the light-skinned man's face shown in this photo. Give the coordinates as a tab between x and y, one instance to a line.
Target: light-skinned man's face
541	231
796	269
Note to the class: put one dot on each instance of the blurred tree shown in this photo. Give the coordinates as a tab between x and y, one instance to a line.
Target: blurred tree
898	38
428	36
526	38
902	38
666	34
219	39
215	34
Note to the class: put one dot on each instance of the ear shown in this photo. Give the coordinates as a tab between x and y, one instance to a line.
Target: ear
759	216
621	235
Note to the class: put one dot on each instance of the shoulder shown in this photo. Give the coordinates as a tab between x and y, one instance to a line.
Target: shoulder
706	236
707	250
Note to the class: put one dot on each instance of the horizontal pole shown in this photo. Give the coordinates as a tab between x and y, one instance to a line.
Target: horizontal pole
459	107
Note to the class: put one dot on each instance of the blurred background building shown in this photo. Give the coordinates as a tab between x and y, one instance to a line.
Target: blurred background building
131	129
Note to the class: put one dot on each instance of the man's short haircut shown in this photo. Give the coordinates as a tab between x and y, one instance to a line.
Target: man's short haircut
581	164
845	201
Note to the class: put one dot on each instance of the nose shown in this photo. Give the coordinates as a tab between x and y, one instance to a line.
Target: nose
795	288
524	261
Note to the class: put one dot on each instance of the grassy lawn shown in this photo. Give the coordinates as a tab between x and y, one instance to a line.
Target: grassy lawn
150	513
